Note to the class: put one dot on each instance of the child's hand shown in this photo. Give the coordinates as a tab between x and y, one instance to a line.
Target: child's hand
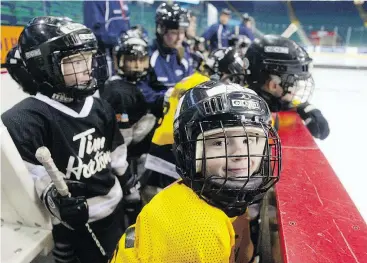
70	210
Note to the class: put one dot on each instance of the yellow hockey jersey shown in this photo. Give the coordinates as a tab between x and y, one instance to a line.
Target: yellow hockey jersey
177	226
160	157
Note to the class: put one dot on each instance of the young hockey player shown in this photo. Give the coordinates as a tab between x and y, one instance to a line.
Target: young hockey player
132	113
223	64
81	133
228	155
122	92
170	60
280	73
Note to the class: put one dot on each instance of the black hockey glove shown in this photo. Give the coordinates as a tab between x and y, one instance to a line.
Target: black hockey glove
71	211
314	120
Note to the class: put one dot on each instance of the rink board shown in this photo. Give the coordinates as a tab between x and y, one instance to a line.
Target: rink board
318	220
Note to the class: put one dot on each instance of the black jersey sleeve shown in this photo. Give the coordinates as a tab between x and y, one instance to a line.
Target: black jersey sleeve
27	128
127	101
118	147
113	95
27	125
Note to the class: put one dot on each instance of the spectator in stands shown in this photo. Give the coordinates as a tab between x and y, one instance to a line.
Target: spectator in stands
108	20
170	61
217	35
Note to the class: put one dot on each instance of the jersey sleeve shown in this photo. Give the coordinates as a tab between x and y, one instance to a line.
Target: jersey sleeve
118	104
117	144
28	130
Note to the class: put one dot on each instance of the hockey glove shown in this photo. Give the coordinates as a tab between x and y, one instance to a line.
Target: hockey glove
314	120
71	211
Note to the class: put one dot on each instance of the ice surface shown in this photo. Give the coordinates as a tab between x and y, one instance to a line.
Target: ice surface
341	95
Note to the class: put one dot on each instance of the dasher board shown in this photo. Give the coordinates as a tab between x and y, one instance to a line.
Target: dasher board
318	221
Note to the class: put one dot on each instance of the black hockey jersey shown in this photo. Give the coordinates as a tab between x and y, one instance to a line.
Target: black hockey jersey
127	101
85	145
131	111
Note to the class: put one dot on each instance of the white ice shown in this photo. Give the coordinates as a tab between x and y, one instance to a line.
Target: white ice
341	95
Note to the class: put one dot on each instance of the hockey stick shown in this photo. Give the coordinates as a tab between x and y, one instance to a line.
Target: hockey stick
291	29
43	155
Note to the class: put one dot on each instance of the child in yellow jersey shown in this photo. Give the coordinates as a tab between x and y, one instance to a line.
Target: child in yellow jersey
224	64
228	155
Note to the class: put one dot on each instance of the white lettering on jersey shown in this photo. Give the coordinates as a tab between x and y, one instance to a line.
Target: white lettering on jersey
88	145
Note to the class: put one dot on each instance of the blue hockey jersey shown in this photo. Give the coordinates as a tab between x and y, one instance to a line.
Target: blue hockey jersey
107	19
218	35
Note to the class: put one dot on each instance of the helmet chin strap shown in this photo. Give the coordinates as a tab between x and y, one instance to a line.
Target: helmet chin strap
69	94
62	97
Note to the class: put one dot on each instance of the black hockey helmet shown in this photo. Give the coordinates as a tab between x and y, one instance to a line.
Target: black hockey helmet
283	60
170	16
50	45
213	114
226	61
17	70
132	46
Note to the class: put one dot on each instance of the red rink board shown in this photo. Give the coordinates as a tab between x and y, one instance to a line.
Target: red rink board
318	220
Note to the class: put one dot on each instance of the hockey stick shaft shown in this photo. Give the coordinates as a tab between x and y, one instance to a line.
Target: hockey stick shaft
291	29
43	155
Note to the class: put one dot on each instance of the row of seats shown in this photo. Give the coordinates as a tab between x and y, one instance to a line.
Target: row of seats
271	17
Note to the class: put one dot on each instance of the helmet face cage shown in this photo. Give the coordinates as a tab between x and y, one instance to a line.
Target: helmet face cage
295	79
232	190
231	155
133	74
77	72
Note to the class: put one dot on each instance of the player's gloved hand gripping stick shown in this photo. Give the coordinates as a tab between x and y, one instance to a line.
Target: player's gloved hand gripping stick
62	199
